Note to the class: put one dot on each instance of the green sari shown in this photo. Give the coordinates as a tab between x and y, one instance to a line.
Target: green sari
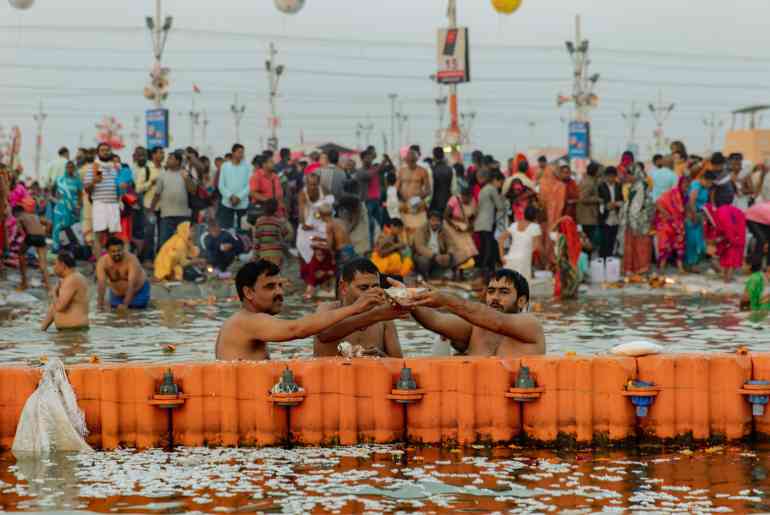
755	287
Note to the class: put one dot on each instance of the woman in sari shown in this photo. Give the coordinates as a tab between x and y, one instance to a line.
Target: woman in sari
568	247
669	224
727	228
459	215
634	241
520	191
68	192
698	197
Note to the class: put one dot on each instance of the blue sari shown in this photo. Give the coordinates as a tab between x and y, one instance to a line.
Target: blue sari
65	212
696	240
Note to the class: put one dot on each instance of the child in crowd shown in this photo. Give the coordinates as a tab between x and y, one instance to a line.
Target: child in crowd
392	254
754	297
221	249
320	269
270	233
34	237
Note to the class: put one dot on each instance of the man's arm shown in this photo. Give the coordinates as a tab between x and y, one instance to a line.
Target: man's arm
64	297
425	184
156	198
189	183
521	327
270	329
392	345
454	328
101	282
338	331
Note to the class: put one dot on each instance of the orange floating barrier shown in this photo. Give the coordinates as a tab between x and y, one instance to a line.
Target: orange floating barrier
543	400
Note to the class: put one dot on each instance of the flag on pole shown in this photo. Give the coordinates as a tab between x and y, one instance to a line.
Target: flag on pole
196	89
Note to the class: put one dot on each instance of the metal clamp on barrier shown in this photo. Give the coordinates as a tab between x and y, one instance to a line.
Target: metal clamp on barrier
169	396
286	392
525	390
642	394
758	393
406	391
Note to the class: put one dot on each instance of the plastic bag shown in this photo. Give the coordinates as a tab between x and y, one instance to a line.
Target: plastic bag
51	419
636	349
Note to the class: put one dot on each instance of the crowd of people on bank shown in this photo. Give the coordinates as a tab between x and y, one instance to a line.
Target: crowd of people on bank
179	216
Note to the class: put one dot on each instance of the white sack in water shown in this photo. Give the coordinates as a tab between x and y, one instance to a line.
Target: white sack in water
51	419
636	348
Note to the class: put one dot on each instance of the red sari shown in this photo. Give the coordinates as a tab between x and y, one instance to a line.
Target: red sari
670	230
727	227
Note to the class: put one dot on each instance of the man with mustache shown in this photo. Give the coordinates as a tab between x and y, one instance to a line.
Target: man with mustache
497	328
245	335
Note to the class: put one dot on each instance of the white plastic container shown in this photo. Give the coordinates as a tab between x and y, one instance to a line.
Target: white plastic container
597	271
612	270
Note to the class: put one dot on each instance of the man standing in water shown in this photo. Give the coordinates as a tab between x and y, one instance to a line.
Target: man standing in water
245	335
374	330
498	328
69	301
129	287
413	186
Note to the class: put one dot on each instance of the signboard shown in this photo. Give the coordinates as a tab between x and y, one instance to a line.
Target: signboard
157	128
453	56
579	140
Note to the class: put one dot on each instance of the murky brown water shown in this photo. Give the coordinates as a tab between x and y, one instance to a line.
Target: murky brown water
379	479
592	325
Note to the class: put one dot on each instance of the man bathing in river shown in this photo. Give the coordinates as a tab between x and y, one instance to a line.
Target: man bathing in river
69	301
129	287
498	328
245	335
373	331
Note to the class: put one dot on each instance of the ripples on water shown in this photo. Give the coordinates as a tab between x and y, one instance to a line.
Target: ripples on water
387	479
592	325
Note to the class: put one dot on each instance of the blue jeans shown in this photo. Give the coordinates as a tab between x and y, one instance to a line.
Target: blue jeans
374	208
168	225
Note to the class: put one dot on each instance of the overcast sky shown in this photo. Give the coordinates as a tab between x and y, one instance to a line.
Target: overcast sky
86	59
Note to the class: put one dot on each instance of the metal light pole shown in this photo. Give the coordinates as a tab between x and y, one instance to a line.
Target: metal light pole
393	97
660	112
467	119
632	117
441	103
194	120
454	125
204	133
403	120
713	124
237	110
364	129
39	118
159	29
583	84
274	73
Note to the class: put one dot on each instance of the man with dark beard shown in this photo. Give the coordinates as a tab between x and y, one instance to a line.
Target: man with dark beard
497	328
245	335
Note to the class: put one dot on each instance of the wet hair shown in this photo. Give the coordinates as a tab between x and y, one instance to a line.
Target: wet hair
271	206
249	273
516	279
334	156
236	147
113	241
66	259
530	213
394	222
358	265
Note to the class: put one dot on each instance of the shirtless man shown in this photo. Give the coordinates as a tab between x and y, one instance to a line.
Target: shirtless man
374	330
69	301
246	334
337	236
413	185
495	329
129	287
35	237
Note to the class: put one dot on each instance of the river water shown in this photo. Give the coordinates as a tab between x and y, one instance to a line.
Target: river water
390	478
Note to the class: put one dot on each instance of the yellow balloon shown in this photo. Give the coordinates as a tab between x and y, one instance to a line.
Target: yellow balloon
506	6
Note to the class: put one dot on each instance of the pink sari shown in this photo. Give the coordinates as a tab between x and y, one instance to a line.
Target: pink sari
670	230
727	225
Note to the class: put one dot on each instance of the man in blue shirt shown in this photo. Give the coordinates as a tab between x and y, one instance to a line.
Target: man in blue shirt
663	177
234	188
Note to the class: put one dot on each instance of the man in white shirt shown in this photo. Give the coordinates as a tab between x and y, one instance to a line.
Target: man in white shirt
56	168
